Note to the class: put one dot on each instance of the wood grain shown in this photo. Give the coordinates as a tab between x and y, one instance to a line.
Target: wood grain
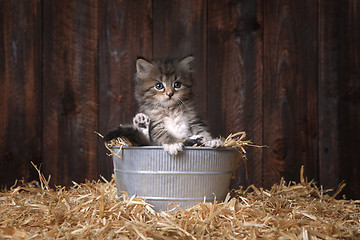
20	90
290	90
70	93
329	67
126	34
253	105
225	69
349	97
234	91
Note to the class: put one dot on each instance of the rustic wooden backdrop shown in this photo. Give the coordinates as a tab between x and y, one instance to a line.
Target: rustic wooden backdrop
287	72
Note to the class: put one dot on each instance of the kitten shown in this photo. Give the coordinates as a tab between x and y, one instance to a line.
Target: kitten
137	134
163	92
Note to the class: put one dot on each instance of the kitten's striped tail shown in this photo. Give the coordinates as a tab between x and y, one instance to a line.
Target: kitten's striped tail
135	136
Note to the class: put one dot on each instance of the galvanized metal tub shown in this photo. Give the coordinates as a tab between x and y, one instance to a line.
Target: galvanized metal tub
192	176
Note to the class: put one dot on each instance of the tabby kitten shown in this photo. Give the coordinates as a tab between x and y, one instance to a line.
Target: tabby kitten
163	92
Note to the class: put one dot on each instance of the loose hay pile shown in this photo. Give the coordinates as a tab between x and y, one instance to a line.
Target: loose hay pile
92	210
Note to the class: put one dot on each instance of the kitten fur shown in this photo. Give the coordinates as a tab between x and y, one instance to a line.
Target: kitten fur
137	134
163	92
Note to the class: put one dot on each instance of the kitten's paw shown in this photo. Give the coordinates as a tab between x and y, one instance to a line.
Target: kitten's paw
214	143
197	137
141	121
173	149
194	140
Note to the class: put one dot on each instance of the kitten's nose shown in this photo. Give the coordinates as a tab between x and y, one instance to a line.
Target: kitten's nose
170	94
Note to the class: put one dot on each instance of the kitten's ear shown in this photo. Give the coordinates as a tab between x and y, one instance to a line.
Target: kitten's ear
143	67
185	64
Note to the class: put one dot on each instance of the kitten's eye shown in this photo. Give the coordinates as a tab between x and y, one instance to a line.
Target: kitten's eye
159	86
177	85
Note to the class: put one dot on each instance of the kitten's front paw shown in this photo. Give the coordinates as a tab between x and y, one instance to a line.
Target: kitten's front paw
194	140
173	149
141	121
214	143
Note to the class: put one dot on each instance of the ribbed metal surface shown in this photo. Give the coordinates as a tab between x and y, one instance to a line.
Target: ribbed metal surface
185	179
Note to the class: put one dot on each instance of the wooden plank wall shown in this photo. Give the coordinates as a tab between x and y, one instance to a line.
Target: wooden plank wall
287	72
70	90
290	82
125	34
20	89
348	63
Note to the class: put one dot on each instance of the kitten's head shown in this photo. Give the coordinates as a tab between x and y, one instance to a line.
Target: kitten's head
163	82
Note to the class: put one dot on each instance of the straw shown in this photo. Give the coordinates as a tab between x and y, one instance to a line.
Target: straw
92	209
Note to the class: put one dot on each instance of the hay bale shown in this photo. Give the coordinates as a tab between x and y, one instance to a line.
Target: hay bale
93	210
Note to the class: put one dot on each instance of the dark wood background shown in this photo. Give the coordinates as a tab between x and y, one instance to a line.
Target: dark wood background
287	72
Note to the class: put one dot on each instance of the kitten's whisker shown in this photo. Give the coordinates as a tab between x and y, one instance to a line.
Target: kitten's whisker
183	103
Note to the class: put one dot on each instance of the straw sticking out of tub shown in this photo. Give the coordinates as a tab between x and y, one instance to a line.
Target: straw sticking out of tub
115	142
234	140
237	140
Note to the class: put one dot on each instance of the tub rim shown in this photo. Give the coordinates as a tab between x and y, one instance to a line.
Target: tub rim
184	148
